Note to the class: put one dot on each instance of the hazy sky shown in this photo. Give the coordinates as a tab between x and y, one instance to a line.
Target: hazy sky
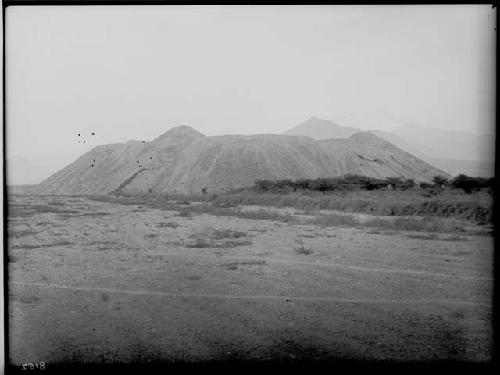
133	72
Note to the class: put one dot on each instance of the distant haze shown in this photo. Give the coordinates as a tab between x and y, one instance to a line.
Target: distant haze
134	72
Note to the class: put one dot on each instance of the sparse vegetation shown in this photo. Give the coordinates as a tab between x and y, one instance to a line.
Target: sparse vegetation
476	207
213	238
44	223
302	249
18	233
213	208
412	211
56	203
344	183
227	233
206	242
355	182
167	225
415	224
236	265
40	246
440	181
184	213
25	210
334	220
434	236
95	214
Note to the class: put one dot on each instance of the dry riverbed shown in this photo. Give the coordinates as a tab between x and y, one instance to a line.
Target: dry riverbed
100	282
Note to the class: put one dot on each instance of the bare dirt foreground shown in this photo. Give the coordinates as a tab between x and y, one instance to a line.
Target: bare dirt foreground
97	282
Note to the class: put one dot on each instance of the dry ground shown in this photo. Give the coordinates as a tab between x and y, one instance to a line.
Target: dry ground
98	282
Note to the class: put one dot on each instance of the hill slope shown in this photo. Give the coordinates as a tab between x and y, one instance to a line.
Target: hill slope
185	161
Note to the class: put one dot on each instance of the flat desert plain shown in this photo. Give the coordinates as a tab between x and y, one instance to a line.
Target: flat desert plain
100	282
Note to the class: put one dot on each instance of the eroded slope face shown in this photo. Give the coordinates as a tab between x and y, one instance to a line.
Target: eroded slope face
109	168
185	161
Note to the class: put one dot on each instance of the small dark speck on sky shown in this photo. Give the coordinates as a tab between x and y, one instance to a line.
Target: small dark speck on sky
93	133
151	157
78	134
92	165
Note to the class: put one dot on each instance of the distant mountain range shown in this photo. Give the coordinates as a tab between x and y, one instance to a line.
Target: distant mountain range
453	151
185	161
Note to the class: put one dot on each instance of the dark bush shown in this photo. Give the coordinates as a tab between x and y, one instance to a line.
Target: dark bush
407	184
425	185
469	184
345	183
440	181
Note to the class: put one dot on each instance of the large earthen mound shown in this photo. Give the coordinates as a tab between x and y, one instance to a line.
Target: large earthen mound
185	161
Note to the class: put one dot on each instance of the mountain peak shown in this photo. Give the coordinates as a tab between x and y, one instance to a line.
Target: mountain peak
182	130
179	134
317	128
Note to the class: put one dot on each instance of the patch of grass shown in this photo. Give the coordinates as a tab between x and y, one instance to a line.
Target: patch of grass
461	252
425	224
104	242
184	214
21	233
236	265
213	238
95	214
230	244
68	215
57	203
224	205
40	246
167	225
26	210
29	299
432	236
412	224
184	203
152	235
334	220
265	215
227	233
455	238
44	223
200	242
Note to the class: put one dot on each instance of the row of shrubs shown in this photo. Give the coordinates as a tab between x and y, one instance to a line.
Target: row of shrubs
355	182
